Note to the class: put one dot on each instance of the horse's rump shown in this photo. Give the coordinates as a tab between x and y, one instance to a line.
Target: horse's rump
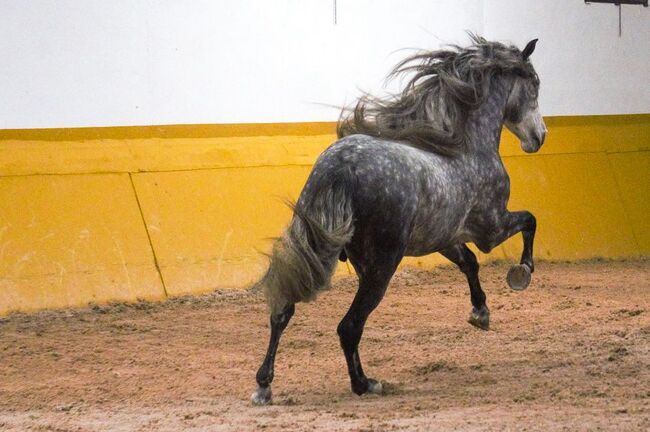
304	258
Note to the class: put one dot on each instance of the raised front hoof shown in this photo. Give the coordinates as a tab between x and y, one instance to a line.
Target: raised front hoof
480	318
371	386
262	396
519	277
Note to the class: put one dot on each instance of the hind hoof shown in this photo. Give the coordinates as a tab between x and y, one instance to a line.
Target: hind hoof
369	385
262	396
480	318
375	387
519	277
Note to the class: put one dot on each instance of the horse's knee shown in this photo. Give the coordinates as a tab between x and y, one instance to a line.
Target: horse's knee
530	223
348	332
469	265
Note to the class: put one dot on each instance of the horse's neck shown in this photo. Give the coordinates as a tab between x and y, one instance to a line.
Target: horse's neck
483	127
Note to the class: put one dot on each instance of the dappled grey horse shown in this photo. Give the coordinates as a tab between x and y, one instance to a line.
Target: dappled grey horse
411	174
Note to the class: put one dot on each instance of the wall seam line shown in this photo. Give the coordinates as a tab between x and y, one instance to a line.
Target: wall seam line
144	223
174	170
620	197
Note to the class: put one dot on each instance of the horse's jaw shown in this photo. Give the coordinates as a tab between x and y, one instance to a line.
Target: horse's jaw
531	131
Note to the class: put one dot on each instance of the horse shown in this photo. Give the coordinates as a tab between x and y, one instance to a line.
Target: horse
411	174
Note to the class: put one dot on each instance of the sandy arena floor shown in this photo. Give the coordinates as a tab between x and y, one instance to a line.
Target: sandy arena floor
570	353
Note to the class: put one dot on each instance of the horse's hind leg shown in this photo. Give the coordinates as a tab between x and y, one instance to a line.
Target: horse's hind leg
372	286
279	322
466	261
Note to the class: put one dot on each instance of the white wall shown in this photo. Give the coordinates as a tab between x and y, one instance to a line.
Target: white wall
69	63
584	66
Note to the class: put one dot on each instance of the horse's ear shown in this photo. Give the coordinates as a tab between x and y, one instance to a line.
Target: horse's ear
529	49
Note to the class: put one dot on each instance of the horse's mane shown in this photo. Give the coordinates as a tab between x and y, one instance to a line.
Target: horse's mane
432	110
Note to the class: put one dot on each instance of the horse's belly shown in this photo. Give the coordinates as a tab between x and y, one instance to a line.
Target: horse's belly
430	239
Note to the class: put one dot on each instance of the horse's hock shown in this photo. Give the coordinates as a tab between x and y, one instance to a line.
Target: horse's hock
103	214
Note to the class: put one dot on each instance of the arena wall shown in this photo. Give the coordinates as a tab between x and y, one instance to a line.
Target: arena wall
127	213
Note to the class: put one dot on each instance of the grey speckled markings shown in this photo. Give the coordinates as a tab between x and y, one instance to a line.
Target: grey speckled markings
410	175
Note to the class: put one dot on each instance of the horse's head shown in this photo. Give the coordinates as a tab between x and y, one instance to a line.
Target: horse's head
522	115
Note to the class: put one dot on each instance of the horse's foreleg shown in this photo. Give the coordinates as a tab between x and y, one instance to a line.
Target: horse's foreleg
528	232
279	322
466	261
524	222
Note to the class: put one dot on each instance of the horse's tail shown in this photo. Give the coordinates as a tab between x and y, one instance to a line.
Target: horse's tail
304	258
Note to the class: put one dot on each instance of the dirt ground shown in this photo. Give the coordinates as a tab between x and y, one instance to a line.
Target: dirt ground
570	353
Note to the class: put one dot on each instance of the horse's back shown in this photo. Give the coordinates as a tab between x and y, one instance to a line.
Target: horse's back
383	173
400	194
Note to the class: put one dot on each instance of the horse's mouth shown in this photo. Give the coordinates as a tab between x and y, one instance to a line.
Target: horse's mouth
533	144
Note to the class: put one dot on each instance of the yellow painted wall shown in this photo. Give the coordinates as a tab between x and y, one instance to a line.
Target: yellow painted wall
209	226
72	239
99	214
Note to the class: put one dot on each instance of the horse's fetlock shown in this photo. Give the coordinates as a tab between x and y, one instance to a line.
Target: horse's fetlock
530	264
264	378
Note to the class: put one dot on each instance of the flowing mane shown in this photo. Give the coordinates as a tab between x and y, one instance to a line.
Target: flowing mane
432	109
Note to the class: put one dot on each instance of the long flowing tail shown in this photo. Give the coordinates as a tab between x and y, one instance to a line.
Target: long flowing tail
304	258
